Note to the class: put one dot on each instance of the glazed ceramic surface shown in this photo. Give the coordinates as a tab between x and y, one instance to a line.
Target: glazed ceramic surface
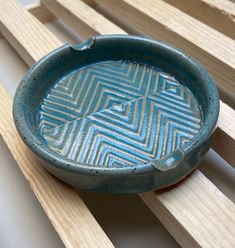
117	113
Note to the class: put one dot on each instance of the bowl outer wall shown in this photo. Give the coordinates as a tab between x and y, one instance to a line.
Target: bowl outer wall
71	167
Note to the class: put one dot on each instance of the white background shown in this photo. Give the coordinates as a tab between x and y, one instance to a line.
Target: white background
125	218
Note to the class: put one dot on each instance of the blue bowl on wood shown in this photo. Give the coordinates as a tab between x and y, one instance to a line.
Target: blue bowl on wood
121	114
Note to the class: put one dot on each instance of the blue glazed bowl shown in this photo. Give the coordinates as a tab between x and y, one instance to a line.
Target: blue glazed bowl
118	113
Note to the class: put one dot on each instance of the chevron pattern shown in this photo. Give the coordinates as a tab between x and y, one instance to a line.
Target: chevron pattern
118	114
97	87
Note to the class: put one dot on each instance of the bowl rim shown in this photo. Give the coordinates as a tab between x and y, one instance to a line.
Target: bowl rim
53	159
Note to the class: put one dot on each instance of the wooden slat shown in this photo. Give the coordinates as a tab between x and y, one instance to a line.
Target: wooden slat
69	215
208	39
40	12
224	138
25	33
67	212
195	212
81	17
219	14
225	6
162	21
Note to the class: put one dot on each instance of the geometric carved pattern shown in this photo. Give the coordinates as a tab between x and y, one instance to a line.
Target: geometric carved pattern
118	114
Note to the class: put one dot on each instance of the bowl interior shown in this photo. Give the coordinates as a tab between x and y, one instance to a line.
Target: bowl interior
114	102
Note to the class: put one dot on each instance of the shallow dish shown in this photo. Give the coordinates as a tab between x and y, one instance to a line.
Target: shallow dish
118	113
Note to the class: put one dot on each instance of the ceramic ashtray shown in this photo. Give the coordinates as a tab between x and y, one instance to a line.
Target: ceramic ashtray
118	113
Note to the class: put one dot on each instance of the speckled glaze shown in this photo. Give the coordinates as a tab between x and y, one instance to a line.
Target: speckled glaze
118	113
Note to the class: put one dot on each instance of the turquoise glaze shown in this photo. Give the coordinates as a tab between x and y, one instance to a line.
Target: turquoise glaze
120	114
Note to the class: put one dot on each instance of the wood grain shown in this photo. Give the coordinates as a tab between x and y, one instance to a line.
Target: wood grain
40	12
67	212
195	212
189	28
225	6
160	20
82	18
219	14
25	33
224	138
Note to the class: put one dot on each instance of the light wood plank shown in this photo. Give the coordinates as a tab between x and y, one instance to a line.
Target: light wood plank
67	212
208	39
82	18
195	212
40	12
162	21
224	138
219	14
25	33
225	6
